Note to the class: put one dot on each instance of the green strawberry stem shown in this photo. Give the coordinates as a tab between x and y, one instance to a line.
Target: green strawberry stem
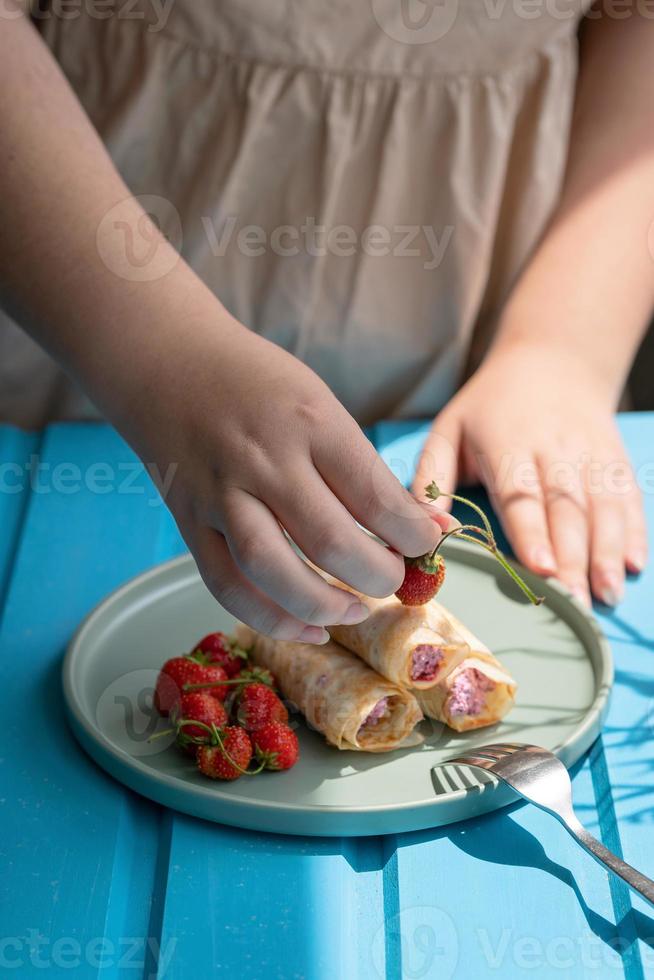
209	684
519	581
232	762
234	681
434	492
459	531
216	737
489	544
166	731
180	724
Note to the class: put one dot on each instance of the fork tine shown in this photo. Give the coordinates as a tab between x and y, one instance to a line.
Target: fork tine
509	747
499	750
492	751
470	760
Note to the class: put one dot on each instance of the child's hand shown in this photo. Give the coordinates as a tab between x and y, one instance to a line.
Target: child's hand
262	444
536	427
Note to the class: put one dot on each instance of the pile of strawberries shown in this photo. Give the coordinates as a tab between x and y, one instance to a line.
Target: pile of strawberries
224	711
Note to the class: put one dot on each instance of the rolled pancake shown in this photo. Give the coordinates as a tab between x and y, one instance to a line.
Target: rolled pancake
477	692
414	646
340	696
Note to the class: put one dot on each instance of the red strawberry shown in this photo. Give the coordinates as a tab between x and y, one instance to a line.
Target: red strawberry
257	705
197	706
276	746
180	671
212	674
423	578
227	759
219	649
170	682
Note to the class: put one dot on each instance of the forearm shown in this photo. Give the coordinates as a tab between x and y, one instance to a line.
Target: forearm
589	288
63	264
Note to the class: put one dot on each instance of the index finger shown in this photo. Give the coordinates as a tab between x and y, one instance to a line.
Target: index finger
361	480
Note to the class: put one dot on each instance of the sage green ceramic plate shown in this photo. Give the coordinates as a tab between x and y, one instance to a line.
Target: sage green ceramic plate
556	653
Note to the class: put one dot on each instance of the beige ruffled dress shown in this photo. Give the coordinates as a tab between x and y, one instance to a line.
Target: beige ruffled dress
358	180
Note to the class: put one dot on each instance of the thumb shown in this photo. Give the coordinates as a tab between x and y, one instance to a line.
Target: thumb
439	460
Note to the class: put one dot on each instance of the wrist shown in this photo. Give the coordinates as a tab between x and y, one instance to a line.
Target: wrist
540	355
563	339
133	358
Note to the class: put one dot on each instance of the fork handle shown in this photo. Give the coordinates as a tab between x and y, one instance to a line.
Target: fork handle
639	882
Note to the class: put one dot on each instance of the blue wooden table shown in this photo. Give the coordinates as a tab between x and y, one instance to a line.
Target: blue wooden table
97	882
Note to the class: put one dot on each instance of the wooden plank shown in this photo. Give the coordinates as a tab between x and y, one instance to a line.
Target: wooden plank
16	451
254	905
79	853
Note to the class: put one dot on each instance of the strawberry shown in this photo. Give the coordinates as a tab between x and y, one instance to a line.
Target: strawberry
256	705
170	682
229	758
276	746
179	672
219	649
199	707
423	578
211	674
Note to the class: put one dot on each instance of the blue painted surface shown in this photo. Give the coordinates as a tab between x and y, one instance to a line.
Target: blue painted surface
99	883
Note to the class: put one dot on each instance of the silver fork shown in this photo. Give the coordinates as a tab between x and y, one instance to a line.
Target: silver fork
538	776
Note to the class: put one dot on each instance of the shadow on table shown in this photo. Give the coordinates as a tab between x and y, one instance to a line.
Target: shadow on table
496	838
502	841
637	732
629	634
522	849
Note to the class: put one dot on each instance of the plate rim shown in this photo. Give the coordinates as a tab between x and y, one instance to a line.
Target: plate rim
82	726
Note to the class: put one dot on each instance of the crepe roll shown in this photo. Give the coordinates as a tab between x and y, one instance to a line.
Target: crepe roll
477	692
352	705
414	646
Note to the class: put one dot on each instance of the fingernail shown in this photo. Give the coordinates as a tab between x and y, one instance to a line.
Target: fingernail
356	613
543	559
313	634
451	523
611	591
636	562
445	520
